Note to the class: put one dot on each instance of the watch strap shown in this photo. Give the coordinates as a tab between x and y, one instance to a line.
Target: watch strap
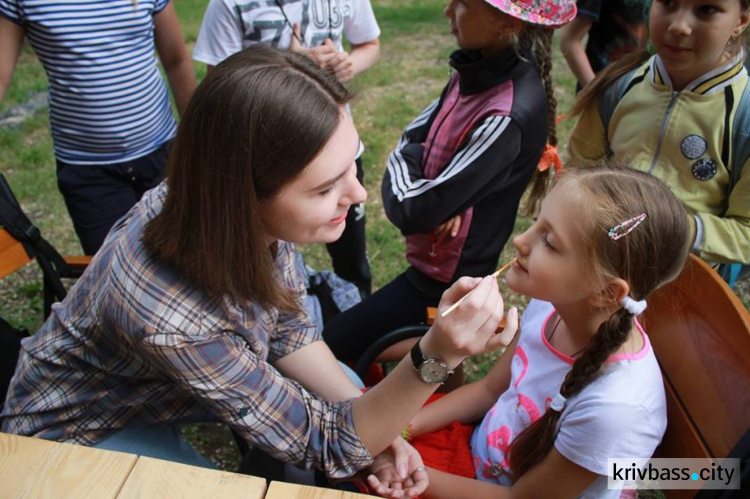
417	357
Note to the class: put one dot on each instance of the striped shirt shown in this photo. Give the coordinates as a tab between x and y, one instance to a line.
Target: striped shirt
108	101
134	343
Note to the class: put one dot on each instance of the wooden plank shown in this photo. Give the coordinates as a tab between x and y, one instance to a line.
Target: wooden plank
78	262
12	254
32	468
681	439
282	490
21	458
165	479
354	495
79	471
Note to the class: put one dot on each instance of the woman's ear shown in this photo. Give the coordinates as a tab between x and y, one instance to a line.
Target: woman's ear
610	294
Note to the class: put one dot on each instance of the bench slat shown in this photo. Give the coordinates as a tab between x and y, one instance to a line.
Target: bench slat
12	254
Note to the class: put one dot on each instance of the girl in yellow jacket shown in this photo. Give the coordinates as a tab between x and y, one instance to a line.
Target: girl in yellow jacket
670	110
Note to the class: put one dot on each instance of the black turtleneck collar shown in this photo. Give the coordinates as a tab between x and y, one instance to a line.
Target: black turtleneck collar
477	74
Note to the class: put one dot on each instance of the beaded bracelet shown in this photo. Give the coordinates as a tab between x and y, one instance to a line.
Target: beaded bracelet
406	433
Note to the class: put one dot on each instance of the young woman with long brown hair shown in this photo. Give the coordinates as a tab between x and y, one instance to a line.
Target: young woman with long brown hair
192	309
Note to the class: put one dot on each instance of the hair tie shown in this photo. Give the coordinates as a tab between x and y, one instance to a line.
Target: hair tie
550	158
632	306
558	403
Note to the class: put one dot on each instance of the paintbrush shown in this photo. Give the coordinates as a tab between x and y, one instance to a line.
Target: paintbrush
459	302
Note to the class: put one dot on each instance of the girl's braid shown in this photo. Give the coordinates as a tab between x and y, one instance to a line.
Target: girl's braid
611	335
542	53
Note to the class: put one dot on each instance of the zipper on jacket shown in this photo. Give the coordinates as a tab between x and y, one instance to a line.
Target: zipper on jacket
664	122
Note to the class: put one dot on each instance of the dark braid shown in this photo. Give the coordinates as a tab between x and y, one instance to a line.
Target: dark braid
542	54
532	444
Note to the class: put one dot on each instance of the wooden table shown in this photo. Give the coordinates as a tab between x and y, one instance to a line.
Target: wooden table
164	479
281	490
32	467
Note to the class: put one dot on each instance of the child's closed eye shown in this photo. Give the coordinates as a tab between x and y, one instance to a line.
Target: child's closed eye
545	240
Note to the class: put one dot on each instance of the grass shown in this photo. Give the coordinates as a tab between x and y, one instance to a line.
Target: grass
415	44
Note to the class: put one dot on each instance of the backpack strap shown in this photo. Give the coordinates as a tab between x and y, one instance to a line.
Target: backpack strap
608	100
15	221
740	136
733	272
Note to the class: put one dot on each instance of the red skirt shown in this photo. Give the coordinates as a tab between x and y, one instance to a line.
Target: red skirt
449	449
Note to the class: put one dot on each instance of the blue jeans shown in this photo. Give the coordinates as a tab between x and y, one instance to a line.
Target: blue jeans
162	441
159	441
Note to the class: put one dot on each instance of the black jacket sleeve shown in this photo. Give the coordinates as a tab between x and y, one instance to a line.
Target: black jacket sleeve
417	205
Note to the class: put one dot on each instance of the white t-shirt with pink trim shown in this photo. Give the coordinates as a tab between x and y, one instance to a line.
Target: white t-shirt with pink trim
622	413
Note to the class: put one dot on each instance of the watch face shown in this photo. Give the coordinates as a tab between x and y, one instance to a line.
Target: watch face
434	371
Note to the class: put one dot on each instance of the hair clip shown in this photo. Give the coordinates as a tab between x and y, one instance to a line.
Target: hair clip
626	227
633	306
558	403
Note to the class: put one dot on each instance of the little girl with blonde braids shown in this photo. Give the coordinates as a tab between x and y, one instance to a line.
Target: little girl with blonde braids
580	383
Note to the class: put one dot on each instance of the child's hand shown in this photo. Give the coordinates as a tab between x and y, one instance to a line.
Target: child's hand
388	481
322	54
450	227
341	66
470	328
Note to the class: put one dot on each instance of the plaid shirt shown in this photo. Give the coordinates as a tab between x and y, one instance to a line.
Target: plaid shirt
134	343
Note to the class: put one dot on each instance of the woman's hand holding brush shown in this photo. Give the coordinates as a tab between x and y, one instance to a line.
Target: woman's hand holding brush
459	302
470	329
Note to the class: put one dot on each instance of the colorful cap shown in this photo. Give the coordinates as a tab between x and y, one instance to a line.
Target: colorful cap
544	12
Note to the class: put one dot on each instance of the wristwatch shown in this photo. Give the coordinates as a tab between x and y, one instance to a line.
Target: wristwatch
429	370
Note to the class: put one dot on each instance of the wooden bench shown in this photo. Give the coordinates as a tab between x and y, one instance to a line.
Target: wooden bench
700	332
13	256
